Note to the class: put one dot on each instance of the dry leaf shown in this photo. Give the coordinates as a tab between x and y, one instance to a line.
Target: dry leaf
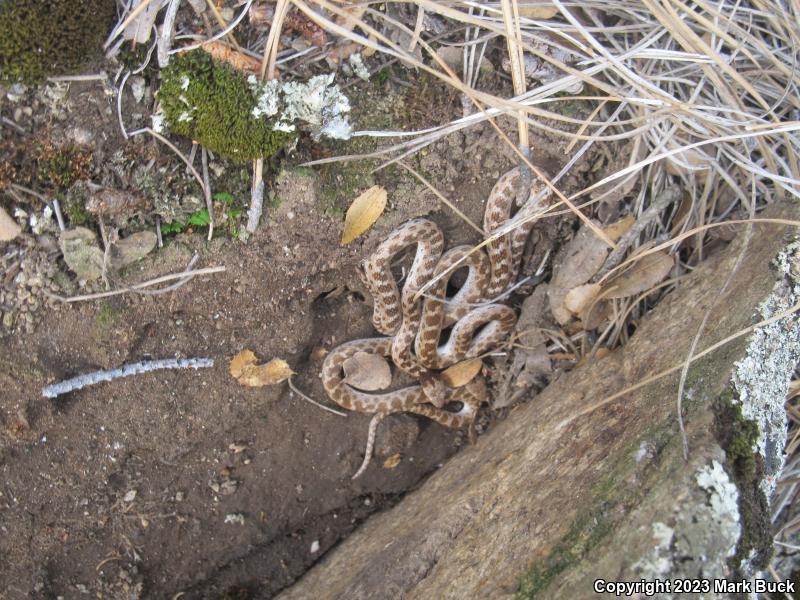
581	297
392	461
246	371
576	263
363	213
645	273
366	371
595	314
620	228
9	229
234	58
462	373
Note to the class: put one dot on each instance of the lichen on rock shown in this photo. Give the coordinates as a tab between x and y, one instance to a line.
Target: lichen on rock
761	379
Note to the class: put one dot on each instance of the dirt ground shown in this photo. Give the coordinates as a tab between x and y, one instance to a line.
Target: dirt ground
184	483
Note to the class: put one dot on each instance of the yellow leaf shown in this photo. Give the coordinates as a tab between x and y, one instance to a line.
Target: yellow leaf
462	373
392	461
363	213
244	368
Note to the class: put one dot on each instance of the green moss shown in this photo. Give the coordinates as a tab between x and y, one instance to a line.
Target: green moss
40	38
738	436
210	102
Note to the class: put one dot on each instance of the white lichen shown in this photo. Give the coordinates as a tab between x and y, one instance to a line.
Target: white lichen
723	500
318	102
657	563
268	97
358	66
159	122
185	82
761	379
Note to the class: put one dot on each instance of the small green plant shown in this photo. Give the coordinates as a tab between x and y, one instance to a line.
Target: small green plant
210	102
39	38
200	218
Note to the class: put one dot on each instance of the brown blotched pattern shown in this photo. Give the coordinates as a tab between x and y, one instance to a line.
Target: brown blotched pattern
415	327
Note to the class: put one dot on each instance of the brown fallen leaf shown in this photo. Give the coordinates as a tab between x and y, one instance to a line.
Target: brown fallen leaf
392	461
462	373
363	213
367	371
9	229
644	274
579	298
576	263
238	60
244	368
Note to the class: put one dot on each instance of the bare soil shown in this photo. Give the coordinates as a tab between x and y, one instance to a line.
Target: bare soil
185	482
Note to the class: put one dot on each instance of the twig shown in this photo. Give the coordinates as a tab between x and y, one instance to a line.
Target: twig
59	216
314	402
29	191
9	123
119	103
174	148
138	286
167	30
373	428
69	78
158	232
256	196
207	193
81	381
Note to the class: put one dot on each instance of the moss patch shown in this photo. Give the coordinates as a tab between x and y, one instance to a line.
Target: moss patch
210	102
738	437
39	38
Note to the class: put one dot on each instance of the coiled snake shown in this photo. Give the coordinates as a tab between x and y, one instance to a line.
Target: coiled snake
413	327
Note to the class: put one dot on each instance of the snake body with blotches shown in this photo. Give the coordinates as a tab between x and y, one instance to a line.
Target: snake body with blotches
412	323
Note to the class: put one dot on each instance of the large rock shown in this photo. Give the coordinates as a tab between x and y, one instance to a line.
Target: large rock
580	485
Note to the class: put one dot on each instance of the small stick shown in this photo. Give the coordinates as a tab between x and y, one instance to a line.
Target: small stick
314	402
256	196
64	78
59	216
9	123
120	91
192	152
81	381
207	193
373	428
138	286
158	232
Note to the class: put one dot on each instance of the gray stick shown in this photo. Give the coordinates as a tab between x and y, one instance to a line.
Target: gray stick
81	381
